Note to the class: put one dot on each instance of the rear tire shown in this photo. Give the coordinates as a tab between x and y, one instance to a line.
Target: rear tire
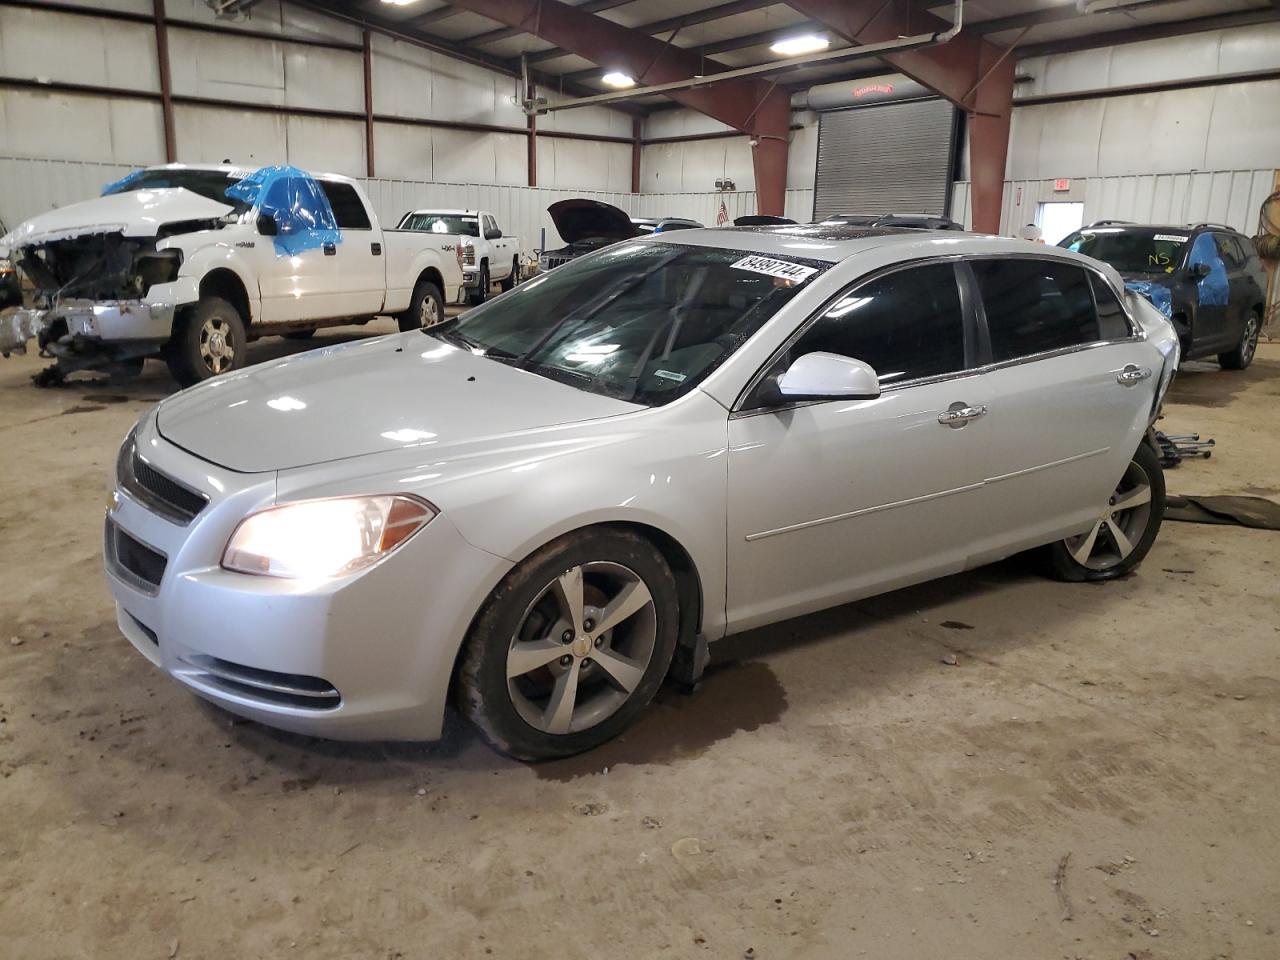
1243	354
481	293
537	696
208	339
510	280
426	308
1123	534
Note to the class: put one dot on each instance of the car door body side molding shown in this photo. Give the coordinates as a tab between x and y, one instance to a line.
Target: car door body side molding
808	524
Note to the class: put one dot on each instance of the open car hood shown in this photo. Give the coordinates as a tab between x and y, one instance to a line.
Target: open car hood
138	213
582	219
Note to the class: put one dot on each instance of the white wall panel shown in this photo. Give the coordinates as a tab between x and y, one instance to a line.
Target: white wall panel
681	123
73	48
598	121
268	16
247	137
330	146
80	127
411	82
404	151
1232	197
1245	127
584	164
705	207
463	156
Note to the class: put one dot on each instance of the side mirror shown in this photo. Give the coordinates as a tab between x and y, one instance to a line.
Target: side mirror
267	225
1200	270
494	234
828	376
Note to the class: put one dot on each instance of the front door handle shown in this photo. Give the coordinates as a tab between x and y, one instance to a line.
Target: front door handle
1132	374
960	413
330	250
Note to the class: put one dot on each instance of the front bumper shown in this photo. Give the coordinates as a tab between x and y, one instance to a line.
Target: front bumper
364	657
88	323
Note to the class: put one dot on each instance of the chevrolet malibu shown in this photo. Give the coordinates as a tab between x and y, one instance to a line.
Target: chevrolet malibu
544	507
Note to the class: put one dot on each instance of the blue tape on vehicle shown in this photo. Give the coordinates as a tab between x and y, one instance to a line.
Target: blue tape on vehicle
119	186
1160	296
1215	289
294	200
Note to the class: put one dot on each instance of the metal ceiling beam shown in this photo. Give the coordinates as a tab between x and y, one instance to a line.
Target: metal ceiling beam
975	75
756	107
725	46
709	15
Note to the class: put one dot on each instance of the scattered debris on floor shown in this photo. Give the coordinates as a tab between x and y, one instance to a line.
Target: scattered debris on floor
1060	886
951	660
956	625
1187	446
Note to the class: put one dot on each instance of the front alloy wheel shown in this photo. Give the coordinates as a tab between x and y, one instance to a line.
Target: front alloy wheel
1124	530
1242	355
571	646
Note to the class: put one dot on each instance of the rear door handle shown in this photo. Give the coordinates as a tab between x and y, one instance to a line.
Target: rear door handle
960	413
1132	374
376	249
330	250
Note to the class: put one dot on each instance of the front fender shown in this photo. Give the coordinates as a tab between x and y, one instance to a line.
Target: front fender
201	256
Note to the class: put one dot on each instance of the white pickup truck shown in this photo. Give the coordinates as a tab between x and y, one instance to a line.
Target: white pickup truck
192	262
488	255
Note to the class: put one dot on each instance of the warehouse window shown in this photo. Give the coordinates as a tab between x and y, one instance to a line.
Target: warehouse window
1034	306
347	206
906	325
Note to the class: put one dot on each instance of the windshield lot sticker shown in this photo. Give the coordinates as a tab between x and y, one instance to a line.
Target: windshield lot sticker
1171	237
668	375
776	268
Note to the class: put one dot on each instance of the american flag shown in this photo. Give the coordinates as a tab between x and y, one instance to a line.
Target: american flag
723	216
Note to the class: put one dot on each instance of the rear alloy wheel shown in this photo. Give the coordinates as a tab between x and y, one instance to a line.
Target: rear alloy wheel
426	308
1242	355
571	646
1124	532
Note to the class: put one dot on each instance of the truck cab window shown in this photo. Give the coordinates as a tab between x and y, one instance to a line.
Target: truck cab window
347	206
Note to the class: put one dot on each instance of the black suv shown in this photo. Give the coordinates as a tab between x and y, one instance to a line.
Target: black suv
1206	278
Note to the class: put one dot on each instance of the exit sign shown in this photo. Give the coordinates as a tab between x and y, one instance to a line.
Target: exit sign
1060	185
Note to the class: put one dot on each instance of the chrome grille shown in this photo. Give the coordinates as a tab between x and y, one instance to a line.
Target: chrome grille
549	262
140	566
269	686
156	491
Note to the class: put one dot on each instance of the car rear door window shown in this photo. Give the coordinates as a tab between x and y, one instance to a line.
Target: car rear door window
1035	306
348	209
1112	322
907	325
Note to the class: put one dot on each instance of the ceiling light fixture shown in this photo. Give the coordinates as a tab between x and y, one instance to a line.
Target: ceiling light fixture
618	79
803	43
399	3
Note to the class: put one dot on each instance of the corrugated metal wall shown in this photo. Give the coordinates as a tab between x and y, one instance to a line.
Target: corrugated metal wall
1219	196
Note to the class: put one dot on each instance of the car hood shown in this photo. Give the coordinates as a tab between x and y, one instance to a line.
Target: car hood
582	219
367	397
138	213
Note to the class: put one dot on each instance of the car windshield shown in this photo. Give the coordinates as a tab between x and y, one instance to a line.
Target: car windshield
1142	250
211	184
462	225
641	321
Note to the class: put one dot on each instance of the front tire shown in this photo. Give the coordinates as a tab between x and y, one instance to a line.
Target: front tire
571	645
481	293
426	308
1242	355
1124	533
510	280
208	339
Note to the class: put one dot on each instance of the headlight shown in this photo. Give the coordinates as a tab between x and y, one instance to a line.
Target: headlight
324	538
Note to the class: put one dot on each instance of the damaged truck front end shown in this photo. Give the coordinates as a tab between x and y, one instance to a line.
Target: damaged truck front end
106	278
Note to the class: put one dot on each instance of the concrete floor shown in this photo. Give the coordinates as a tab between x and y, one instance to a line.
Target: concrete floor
1096	778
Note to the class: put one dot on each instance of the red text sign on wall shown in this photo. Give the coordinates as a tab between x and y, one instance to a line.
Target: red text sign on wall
860	92
1061	185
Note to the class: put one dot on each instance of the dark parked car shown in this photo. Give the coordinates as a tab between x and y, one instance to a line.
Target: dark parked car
912	221
585	225
664	224
1206	278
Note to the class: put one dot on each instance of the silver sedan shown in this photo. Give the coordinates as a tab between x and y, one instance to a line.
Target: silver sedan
547	506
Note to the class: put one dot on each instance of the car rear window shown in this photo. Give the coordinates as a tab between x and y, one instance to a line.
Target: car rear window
1035	306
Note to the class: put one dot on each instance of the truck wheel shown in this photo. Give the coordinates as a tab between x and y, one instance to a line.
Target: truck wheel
481	292
208	339
509	281
426	308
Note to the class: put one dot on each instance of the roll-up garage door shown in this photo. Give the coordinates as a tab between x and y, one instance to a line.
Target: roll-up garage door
887	158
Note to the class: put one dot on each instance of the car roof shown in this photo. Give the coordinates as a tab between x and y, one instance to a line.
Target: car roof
447	212
1118	226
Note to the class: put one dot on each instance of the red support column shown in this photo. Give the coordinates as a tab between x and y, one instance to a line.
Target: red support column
166	85
989	147
637	131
